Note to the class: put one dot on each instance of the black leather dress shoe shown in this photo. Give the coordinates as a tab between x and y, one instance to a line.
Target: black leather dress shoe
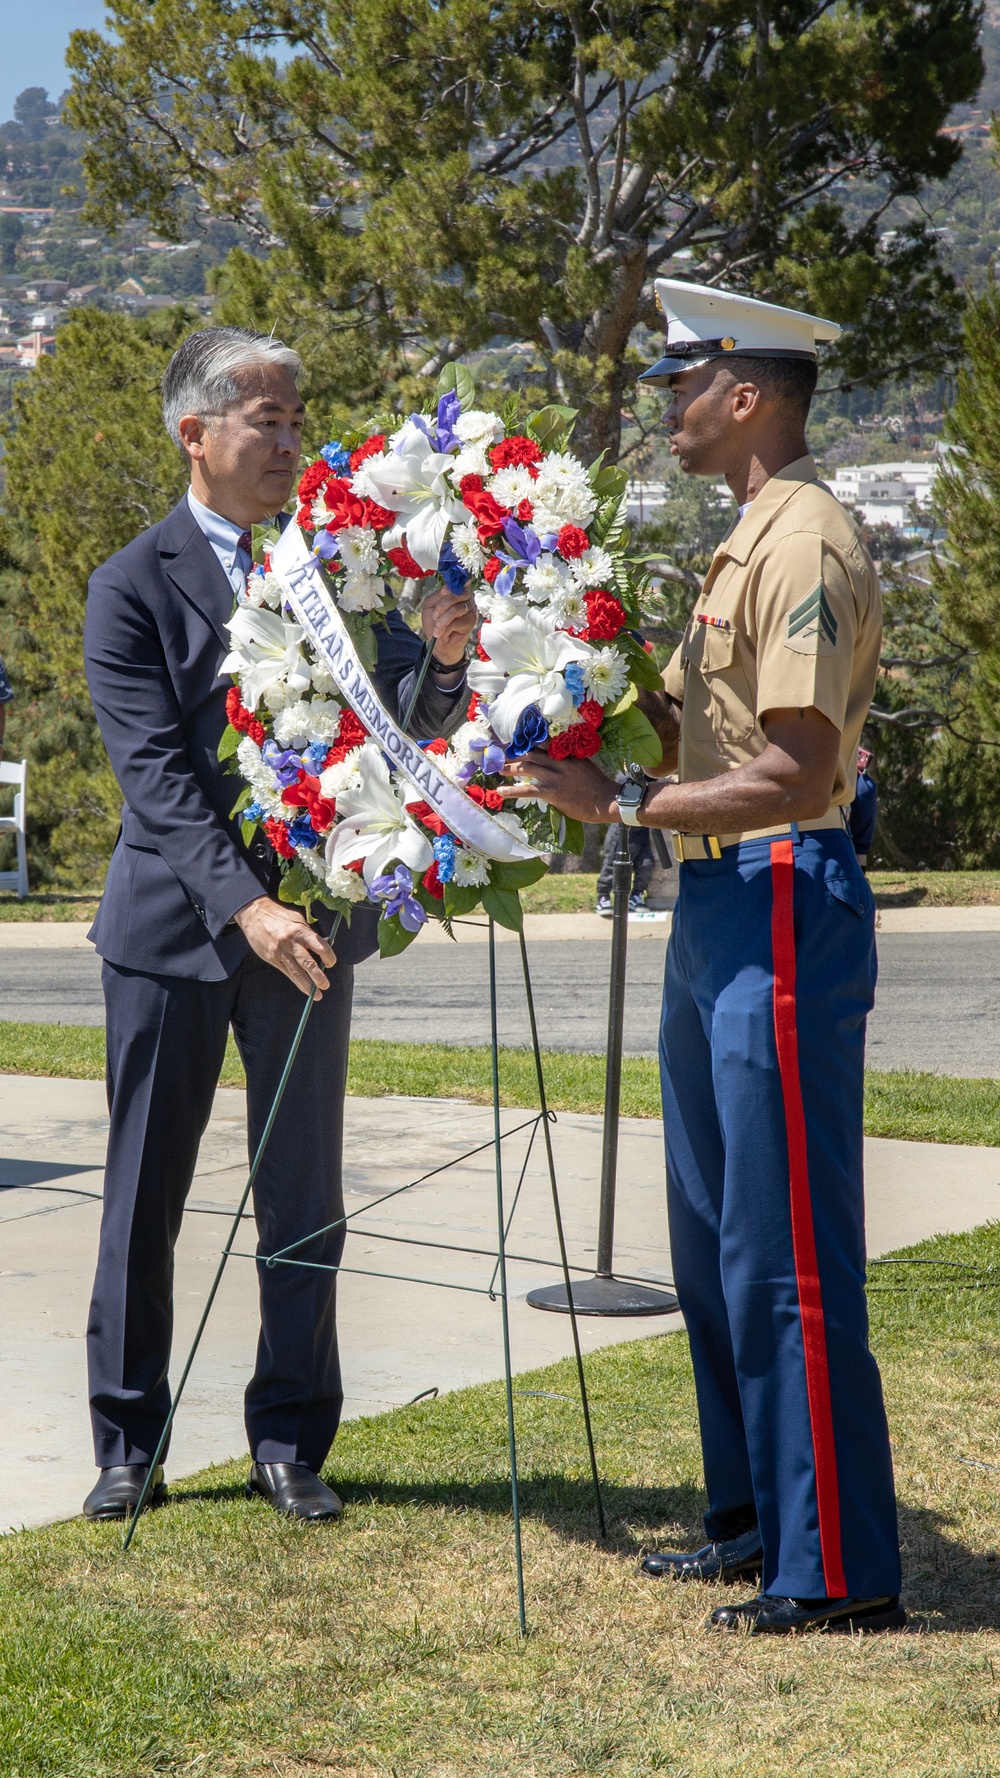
730	1558
116	1495
766	1616
293	1489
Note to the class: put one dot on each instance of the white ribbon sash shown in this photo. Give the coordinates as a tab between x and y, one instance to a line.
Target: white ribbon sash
316	612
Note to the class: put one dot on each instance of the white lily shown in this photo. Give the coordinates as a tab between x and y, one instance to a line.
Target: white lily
375	824
527	656
412	481
266	652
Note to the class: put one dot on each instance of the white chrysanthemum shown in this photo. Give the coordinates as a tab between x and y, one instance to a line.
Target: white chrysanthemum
314	861
563	487
335	779
594	568
460	744
322	678
259	777
318	720
358	550
569	608
359	592
472	870
512	485
265	589
605	675
468	548
471	460
347	885
477	425
546	578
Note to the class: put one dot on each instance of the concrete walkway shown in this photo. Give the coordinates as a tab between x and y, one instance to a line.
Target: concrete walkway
399	1338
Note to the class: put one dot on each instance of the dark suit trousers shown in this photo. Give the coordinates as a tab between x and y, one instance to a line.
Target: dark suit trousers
166	1038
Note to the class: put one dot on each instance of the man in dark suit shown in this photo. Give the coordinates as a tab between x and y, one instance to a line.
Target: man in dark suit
195	942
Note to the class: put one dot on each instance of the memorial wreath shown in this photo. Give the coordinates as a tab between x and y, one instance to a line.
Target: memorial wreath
354	810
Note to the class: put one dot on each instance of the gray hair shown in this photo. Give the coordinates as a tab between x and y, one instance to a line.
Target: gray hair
201	376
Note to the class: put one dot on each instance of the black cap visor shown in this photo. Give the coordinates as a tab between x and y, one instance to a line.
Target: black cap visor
695	352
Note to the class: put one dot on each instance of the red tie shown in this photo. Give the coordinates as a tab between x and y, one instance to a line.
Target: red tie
246	543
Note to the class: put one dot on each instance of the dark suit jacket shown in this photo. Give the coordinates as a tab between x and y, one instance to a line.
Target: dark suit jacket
154	640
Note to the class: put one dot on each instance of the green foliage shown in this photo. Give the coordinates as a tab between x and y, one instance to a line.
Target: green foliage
425	176
88	464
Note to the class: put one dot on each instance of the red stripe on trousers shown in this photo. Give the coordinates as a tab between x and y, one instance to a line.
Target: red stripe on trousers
803	1235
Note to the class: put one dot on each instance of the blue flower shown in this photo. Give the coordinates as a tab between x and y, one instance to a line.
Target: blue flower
286	765
531	730
455	577
254	812
395	892
448	409
325	545
314	757
573	675
335	454
444	852
301	831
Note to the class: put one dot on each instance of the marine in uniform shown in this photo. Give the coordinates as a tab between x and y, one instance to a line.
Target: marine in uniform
770	976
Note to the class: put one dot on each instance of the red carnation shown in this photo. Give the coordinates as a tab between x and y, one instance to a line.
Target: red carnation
350	735
238	716
356	864
581	741
591	711
470	484
480	651
371	448
493	567
605	615
315	476
423	812
378	517
517	453
572	542
304	517
438	746
256	731
473	707
404	564
432	882
343	505
277	833
525	512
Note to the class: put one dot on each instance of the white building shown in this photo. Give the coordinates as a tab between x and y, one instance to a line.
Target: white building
896	494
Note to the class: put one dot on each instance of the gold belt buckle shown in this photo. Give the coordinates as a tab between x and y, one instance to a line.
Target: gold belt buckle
708	843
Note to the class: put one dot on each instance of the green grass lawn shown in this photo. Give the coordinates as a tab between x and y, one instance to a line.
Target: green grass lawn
576	892
918	1107
232	1644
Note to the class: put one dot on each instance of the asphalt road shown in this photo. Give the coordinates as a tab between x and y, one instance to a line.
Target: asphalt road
938	1004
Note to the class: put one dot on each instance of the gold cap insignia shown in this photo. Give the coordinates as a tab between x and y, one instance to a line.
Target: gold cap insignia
728	344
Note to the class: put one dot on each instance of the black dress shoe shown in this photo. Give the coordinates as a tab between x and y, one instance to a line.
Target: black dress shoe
293	1489
730	1558
116	1495
767	1616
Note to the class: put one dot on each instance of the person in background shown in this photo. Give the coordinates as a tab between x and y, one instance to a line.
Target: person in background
640	851
6	697
864	809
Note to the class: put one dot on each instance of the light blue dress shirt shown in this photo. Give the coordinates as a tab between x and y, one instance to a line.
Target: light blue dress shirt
224	536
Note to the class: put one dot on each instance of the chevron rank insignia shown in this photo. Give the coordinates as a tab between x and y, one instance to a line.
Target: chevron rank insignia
812	627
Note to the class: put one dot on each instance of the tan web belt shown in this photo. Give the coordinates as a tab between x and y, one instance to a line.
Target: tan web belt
689	846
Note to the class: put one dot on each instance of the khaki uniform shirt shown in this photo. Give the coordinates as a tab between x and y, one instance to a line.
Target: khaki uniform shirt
790	616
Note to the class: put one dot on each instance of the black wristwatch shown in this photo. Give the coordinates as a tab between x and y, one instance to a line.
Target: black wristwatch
630	795
436	666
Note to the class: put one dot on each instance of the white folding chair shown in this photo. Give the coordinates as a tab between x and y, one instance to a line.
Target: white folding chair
16	879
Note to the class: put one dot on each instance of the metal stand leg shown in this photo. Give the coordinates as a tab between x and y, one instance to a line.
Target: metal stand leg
604	1294
504	1313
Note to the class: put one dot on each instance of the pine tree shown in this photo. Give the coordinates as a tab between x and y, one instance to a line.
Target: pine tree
88	464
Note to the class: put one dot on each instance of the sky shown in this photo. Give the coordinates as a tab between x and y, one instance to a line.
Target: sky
34	45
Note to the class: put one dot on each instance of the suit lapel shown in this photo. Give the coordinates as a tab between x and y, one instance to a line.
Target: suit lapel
191	563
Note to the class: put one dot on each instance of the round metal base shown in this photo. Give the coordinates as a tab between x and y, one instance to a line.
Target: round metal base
604	1296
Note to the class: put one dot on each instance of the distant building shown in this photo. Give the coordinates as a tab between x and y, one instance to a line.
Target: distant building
33	347
46	290
130	287
894	494
45	319
86	293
